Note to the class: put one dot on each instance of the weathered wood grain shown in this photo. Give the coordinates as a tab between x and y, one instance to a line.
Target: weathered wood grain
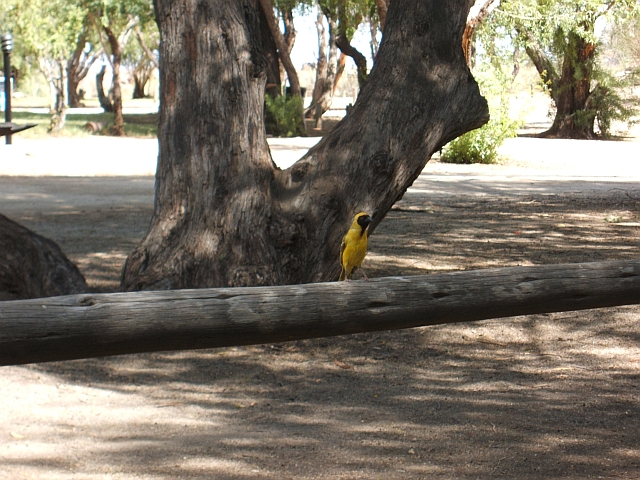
84	326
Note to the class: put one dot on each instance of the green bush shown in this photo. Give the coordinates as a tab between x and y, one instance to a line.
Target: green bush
283	116
613	101
481	145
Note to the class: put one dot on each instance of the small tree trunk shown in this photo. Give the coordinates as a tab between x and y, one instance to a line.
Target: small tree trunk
78	67
342	62
382	6
105	101
32	266
59	106
570	90
361	62
141	75
289	38
116	62
224	214
73	79
476	17
273	65
283	51
325	71
139	82
374	44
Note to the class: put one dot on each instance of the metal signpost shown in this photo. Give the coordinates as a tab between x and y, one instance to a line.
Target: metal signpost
7	46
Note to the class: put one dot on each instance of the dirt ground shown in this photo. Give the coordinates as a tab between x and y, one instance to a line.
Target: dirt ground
533	397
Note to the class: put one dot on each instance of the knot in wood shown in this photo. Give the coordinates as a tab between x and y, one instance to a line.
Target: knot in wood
381	162
299	171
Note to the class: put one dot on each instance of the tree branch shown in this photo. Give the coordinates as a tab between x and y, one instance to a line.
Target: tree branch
541	61
474	19
283	52
152	58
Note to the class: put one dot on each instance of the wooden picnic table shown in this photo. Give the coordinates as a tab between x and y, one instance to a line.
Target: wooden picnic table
8	128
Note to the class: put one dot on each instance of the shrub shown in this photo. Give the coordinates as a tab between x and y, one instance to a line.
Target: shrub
481	145
283	116
613	102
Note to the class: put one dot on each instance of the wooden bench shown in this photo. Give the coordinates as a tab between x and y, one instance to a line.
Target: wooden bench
11	128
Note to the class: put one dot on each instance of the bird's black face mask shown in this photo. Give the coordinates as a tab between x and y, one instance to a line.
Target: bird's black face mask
364	221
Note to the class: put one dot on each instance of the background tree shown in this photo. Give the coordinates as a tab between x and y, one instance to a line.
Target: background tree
342	20
114	21
224	213
326	69
623	45
348	15
141	57
85	54
559	38
47	31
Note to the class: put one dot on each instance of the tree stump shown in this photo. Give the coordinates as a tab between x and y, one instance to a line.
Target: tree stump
33	266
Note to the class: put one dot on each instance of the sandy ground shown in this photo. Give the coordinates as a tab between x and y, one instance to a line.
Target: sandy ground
536	397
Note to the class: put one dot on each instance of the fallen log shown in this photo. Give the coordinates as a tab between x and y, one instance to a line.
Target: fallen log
95	325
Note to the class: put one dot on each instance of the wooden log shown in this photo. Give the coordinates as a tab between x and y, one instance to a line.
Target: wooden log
93	325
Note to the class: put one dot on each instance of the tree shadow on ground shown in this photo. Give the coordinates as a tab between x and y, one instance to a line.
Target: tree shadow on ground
536	397
547	396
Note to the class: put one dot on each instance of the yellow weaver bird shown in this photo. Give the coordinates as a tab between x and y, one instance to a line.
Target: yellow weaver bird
354	246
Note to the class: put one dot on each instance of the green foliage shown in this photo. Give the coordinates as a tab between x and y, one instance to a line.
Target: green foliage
481	145
283	116
561	39
613	102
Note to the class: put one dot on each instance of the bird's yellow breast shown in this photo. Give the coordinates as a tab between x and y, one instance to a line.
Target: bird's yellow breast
355	248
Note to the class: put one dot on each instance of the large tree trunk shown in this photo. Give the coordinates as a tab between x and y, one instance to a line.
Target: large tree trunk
224	214
32	266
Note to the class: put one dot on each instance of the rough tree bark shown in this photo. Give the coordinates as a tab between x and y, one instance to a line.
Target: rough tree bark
32	266
224	214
